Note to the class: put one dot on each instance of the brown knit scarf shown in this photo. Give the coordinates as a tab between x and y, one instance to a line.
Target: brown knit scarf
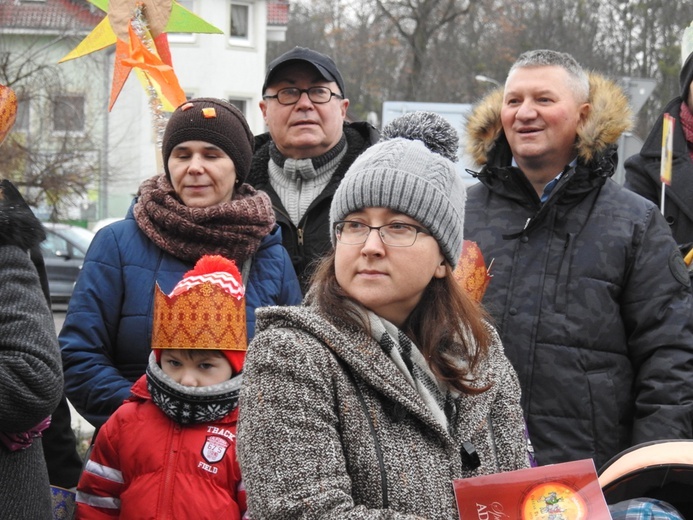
232	229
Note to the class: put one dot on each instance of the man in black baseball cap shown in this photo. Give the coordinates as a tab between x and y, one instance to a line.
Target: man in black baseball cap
323	63
306	152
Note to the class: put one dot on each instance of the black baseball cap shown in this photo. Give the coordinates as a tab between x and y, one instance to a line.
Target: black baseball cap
323	63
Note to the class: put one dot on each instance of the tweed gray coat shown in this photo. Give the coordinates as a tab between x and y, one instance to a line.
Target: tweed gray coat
31	381
307	449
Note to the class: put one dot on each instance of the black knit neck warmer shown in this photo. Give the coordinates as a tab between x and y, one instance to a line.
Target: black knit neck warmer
318	161
191	405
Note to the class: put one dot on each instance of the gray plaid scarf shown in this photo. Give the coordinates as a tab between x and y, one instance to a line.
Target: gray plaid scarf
408	358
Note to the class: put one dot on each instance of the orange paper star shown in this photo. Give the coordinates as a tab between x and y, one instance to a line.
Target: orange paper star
160	16
136	54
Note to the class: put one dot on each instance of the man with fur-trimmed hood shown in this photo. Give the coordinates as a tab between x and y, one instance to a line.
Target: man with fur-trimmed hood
589	292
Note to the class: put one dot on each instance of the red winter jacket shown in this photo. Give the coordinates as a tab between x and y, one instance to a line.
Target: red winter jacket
144	465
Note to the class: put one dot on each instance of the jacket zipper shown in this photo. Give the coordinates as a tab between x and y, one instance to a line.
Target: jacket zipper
170	471
561	296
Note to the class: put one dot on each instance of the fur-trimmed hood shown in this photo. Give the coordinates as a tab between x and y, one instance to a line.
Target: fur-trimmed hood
609	117
18	225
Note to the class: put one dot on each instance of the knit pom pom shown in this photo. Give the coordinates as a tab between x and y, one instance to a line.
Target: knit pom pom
214	264
432	129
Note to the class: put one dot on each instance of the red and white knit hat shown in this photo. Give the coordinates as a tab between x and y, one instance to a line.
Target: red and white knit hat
205	310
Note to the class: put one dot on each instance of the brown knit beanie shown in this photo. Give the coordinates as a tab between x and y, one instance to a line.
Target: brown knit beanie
214	121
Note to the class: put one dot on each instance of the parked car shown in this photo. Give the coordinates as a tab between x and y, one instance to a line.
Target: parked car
63	251
104	222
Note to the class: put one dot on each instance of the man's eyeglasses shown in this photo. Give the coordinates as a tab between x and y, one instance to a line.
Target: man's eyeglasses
291	95
353	233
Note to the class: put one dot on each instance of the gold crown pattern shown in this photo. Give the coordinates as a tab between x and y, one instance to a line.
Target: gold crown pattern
208	313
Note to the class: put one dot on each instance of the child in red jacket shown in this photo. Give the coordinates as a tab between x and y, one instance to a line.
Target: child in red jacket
170	450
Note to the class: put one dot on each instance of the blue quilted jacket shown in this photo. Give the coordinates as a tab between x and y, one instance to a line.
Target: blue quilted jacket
105	340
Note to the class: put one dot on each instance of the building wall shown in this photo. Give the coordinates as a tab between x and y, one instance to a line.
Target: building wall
211	65
37	90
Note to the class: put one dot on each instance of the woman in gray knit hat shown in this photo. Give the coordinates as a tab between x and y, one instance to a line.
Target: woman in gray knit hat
389	383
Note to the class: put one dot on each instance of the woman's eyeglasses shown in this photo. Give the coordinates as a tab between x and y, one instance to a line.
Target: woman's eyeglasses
354	233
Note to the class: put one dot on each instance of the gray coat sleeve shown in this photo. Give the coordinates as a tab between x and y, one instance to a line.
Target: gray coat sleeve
31	380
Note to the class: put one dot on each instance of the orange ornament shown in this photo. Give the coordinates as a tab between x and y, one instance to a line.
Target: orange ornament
8	110
471	272
553	500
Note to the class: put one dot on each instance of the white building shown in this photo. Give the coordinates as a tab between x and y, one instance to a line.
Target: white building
229	65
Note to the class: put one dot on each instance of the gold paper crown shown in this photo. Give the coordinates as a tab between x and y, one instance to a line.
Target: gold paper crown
203	312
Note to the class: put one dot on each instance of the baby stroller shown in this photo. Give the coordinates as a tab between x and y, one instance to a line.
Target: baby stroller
661	470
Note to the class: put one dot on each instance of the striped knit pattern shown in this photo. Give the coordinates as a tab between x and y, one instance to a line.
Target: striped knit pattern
191	404
406	177
298	182
298	186
225	281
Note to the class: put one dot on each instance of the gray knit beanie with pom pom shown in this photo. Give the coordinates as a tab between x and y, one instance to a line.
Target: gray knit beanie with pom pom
432	129
410	173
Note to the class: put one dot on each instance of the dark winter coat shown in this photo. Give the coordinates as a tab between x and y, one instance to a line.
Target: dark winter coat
589	292
643	169
59	440
31	380
106	337
311	239
308	449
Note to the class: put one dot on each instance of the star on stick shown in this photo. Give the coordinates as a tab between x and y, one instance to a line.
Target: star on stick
138	29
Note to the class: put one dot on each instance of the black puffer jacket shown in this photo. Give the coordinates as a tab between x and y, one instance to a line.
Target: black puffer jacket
311	239
589	292
643	169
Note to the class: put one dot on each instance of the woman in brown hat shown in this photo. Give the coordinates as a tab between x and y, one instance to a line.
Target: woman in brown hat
199	206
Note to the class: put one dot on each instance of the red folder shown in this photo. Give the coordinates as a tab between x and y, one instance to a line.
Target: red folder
567	491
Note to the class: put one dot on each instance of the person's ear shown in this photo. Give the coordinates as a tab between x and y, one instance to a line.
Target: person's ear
441	268
584	112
